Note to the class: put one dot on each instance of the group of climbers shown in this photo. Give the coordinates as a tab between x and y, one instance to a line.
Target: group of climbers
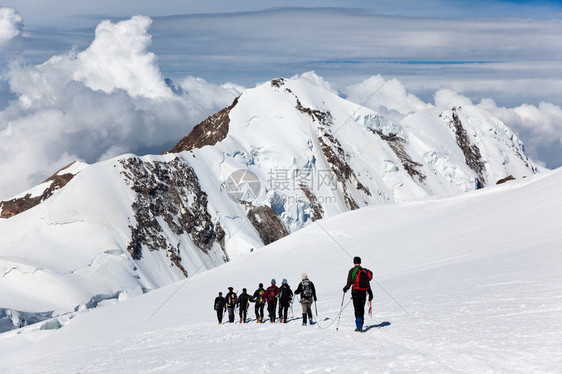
277	299
358	279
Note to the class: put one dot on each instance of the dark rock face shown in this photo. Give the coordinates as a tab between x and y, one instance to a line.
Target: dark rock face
398	146
335	156
471	152
316	207
333	152
266	223
171	192
277	83
209	132
323	117
13	207
506	179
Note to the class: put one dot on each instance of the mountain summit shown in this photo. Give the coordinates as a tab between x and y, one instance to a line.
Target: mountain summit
284	154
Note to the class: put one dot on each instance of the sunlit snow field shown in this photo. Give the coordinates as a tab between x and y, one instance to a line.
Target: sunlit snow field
469	284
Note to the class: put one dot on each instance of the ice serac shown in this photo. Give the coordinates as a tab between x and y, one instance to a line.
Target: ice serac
298	153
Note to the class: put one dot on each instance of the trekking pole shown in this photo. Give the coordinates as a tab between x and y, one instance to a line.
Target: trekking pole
341	307
292	301
316	308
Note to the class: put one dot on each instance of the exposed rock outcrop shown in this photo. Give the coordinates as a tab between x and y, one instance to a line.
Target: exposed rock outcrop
506	179
169	192
267	224
470	150
16	206
316	207
277	83
333	152
398	145
209	132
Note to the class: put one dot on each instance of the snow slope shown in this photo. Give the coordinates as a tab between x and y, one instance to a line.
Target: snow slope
466	284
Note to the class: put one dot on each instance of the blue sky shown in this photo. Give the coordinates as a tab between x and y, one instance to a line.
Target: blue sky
252	44
504	53
56	12
185	33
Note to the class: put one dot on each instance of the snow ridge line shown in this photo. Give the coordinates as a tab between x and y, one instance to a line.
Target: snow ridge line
21	271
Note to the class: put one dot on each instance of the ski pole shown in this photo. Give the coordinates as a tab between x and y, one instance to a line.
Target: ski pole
371	308
341	307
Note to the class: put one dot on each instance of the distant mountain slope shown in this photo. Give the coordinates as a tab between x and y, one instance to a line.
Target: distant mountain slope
40	193
283	155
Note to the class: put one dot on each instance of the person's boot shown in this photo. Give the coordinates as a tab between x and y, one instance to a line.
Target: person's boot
359	324
304	319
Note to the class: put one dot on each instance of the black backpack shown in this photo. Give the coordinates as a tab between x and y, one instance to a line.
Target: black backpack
286	295
307	289
219	304
243	300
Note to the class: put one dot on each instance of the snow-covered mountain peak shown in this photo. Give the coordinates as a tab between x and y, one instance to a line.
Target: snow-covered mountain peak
41	192
294	151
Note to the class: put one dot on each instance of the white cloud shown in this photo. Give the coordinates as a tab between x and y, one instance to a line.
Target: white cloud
540	127
446	99
205	94
11	24
119	58
315	80
389	97
96	104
